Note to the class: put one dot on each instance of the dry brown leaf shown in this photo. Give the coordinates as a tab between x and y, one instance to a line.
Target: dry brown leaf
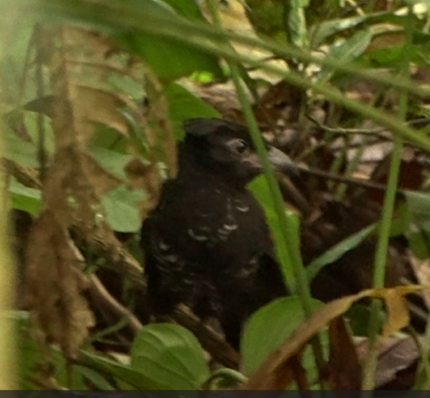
95	105
70	191
391	36
99	178
25	175
55	285
221	96
398	313
284	375
87	65
158	127
267	376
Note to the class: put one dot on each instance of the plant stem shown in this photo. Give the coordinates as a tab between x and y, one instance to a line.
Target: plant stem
297	280
384	233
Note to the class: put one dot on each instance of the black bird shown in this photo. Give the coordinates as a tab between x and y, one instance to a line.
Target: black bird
207	244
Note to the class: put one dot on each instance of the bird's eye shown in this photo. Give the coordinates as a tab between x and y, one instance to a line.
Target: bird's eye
239	146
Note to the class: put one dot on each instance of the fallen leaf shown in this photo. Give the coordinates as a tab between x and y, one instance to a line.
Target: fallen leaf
397	362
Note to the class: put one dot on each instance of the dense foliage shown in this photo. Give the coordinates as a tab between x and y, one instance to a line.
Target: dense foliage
93	98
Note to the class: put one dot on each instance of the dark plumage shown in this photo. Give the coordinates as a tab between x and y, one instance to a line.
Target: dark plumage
207	244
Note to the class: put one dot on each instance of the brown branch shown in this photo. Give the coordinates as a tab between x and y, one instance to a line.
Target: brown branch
105	300
211	341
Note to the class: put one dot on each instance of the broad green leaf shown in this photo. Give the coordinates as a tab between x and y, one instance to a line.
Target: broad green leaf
113	161
167	58
126	84
13	64
110	139
97	379
169	61
19	150
24	151
268	327
171	356
125	373
120	204
185	105
24	198
121	207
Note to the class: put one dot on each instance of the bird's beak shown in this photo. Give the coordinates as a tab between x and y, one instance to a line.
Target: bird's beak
281	162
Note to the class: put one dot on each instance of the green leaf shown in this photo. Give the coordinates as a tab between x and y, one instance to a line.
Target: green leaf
347	50
386	56
12	64
268	327
132	24
19	150
168	59
399	226
125	373
121	207
337	251
186	8
24	151
24	198
114	162
260	188
184	105
170	356
419	206
419	243
95	378
297	23
268	18
320	32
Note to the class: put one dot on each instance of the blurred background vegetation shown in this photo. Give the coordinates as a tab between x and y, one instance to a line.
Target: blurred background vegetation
93	96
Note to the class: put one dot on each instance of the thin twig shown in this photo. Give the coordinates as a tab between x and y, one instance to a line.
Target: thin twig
347	180
104	299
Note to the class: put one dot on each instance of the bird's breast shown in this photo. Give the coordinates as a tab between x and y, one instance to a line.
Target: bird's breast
211	231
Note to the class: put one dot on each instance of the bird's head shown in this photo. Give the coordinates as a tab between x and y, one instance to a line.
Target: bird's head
226	148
